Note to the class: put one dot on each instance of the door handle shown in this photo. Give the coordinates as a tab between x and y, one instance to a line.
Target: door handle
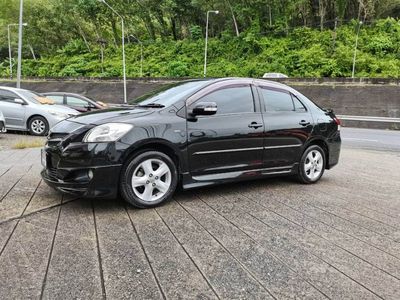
255	125
197	134
304	123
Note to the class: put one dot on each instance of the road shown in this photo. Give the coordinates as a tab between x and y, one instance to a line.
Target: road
371	139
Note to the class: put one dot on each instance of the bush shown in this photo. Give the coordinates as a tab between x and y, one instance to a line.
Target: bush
304	52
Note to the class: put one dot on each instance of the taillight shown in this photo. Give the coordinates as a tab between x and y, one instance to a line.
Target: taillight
338	123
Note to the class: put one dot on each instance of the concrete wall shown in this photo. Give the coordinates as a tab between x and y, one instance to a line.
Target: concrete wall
371	97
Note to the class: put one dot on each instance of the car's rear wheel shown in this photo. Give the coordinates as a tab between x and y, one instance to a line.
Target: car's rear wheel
148	179
38	126
312	165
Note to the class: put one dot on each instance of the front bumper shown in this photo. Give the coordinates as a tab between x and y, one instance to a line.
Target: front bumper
89	170
103	183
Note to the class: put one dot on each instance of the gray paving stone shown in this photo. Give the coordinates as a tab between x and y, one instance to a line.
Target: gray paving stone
178	276
5	232
350	264
228	278
24	260
127	274
276	276
74	271
44	197
19	196
324	276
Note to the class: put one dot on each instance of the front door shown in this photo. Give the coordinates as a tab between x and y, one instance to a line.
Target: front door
14	113
288	125
231	141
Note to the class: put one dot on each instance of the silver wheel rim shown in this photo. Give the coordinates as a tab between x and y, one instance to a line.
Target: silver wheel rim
151	180
38	126
313	165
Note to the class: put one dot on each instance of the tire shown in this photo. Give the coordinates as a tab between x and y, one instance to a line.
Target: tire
148	179
312	165
38	126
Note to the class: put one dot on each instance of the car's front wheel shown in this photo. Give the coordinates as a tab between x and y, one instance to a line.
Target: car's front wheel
312	165
148	179
38	126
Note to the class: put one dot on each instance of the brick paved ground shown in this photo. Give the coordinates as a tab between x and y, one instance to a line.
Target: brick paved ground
339	239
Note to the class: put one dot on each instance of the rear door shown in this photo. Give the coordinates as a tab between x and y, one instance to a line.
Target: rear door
14	113
232	139
288	125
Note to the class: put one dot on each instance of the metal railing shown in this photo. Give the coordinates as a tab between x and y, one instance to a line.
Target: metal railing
369	119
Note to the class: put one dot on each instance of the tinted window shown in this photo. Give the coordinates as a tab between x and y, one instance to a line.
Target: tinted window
73	101
231	100
298	106
276	100
7	96
58	99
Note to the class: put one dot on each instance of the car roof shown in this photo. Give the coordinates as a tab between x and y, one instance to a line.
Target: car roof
12	89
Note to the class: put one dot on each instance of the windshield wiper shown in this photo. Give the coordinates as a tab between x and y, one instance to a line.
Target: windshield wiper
152	105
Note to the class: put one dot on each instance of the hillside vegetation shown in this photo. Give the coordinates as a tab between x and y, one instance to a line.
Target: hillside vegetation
301	38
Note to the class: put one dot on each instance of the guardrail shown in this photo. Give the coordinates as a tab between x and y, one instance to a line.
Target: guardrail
369	119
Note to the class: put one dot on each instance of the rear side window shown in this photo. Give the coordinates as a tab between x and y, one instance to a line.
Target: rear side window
236	99
73	101
298	106
277	100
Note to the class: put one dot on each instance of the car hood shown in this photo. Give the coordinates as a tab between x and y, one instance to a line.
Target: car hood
58	108
117	115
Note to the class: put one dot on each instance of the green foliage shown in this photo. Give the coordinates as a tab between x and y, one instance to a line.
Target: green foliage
304	52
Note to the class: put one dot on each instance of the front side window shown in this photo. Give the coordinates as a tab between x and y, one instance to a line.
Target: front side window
277	101
58	99
6	96
229	100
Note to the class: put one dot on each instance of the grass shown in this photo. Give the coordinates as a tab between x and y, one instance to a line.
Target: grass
23	144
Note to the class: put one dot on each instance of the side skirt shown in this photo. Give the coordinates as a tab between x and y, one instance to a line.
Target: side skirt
189	182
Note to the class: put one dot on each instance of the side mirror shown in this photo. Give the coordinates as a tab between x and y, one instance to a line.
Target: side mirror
205	109
19	101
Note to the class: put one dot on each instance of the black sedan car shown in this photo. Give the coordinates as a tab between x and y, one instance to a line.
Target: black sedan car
75	101
193	133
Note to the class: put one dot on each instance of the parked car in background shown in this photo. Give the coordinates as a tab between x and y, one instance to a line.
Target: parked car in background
275	75
75	101
2	123
29	111
194	133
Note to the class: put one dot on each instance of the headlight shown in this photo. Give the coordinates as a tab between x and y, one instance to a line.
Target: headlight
59	114
109	132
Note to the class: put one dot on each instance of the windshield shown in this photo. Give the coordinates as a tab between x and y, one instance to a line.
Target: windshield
35	97
169	94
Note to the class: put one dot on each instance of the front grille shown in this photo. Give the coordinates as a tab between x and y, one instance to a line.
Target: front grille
52	173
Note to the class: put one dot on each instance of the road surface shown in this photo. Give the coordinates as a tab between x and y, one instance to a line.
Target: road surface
371	139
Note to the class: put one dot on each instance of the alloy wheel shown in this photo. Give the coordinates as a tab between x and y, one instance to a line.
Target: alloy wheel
151	180
38	126
313	165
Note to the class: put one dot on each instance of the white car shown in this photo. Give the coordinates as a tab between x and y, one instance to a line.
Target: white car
28	111
2	123
274	75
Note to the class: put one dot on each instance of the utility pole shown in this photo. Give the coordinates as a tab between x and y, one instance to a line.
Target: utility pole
21	8
205	48
355	50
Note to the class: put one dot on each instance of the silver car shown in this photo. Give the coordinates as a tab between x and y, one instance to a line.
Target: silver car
2	123
28	111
